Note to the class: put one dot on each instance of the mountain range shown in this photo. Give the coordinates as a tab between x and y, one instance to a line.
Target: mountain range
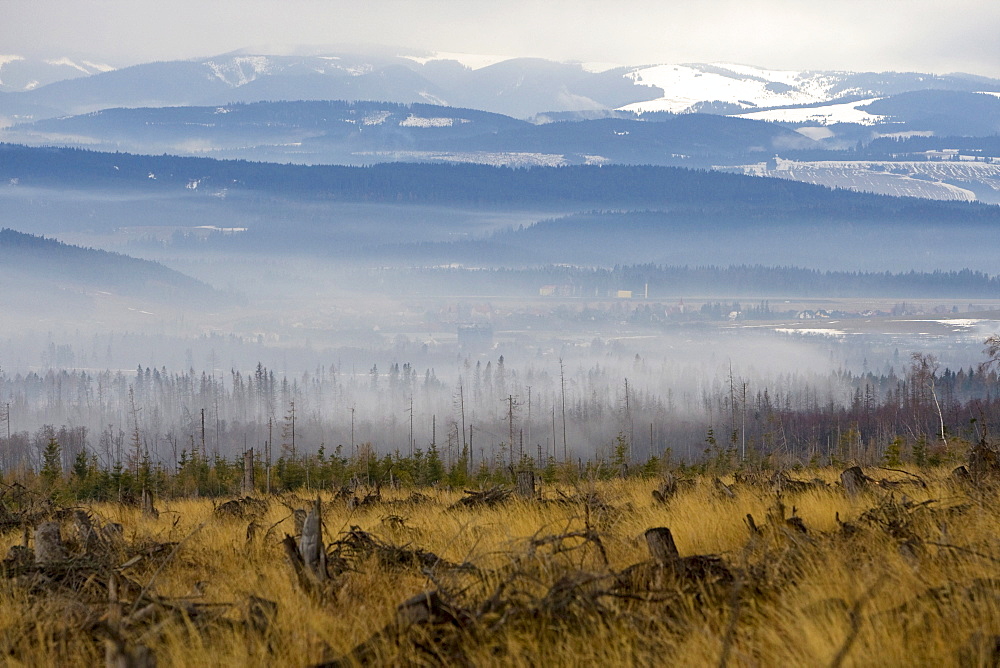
359	106
519	87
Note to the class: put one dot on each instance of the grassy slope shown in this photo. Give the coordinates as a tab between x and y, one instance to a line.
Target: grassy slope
795	609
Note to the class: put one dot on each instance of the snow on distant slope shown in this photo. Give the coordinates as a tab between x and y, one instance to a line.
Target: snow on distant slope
239	70
470	60
97	67
66	62
931	179
741	85
21	73
412	121
597	68
828	114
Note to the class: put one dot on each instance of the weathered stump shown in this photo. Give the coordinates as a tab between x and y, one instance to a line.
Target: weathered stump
308	557
854	480
148	509
49	547
526	484
661	545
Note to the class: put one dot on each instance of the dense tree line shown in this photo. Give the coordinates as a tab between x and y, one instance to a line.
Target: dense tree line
699	195
30	257
326	426
661	280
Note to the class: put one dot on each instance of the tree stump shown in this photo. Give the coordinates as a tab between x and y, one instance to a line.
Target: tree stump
311	542
49	547
661	545
526	484
148	509
854	480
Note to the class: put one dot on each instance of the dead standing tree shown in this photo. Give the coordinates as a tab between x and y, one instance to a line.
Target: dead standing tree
308	556
923	372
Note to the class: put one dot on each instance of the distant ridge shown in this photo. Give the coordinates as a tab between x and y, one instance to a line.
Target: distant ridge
520	87
694	195
37	262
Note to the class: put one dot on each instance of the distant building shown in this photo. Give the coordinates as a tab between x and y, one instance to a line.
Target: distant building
624	294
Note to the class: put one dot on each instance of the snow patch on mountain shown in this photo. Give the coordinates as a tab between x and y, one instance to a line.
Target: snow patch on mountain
740	85
412	121
97	67
597	68
930	179
376	118
66	62
846	112
240	70
470	60
495	159
430	98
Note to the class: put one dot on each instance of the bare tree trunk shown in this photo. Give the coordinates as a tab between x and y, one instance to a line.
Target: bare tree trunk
248	477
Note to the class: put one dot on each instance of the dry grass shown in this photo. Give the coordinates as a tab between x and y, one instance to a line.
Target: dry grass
913	585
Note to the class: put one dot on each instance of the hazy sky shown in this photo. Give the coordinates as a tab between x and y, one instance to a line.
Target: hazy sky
914	35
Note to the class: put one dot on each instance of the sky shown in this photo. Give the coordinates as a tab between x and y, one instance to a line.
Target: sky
869	35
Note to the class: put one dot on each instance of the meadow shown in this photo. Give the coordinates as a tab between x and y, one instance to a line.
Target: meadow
791	568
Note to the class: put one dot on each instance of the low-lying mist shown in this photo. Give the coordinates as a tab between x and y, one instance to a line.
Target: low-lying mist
403	326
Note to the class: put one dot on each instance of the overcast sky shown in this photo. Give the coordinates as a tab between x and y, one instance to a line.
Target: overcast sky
903	35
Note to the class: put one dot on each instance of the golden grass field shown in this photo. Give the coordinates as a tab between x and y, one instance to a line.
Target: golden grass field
913	582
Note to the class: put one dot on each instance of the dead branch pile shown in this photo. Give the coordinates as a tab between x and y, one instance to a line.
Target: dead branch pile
245	508
488	497
438	626
563	582
669	488
81	571
777	482
356	546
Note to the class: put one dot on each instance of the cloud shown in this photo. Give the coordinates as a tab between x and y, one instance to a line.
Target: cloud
920	35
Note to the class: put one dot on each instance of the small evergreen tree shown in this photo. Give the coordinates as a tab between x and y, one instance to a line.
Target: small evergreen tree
51	465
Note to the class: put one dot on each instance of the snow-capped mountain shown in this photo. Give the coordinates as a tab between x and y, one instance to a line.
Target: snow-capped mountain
21	73
794	96
519	87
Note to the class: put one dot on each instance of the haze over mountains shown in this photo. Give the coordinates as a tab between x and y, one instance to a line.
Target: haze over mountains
901	134
520	87
365	210
389	105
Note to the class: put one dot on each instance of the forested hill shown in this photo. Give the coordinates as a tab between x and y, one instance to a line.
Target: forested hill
616	187
32	260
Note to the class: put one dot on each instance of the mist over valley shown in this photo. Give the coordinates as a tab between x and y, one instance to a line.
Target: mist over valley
557	255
